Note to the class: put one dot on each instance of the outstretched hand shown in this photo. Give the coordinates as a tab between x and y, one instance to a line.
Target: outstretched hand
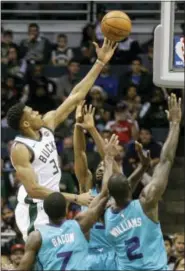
79	112
88	117
106	51
174	112
145	159
85	199
111	148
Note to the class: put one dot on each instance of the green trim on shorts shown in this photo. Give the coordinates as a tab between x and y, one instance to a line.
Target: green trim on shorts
33	212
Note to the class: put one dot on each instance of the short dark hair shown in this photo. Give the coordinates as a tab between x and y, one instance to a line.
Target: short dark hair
55	206
74	60
167	238
33	25
14	115
148	129
119	188
62	36
8	33
137	58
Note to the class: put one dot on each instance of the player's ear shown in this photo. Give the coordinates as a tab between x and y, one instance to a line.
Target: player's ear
25	124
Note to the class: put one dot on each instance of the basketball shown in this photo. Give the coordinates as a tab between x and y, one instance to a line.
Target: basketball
116	25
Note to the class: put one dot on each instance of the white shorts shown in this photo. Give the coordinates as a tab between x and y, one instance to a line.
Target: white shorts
29	216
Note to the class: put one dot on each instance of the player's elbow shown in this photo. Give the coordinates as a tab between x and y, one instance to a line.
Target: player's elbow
32	191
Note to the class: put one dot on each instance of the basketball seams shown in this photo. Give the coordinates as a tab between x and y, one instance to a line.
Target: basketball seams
127	19
116	27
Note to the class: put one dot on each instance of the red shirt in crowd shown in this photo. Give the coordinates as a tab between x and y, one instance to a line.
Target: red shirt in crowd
121	128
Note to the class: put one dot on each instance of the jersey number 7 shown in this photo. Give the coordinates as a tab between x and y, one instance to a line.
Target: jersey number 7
66	257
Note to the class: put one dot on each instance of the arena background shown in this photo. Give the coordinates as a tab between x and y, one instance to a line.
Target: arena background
43	76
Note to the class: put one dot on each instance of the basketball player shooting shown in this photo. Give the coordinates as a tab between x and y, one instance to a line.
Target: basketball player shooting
34	154
132	226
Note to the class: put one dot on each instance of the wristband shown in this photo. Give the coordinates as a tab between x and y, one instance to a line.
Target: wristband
100	62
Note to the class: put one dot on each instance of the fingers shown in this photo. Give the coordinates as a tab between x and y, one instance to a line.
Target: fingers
89	110
114	139
167	114
95	45
138	146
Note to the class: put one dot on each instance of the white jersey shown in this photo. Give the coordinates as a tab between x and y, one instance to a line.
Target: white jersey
44	162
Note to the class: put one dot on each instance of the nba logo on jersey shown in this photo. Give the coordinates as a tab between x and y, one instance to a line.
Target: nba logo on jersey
179	52
46	133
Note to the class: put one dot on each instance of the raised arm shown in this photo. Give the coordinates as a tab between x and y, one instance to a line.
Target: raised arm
152	193
32	247
89	125
82	172
97	206
136	176
25	173
104	54
88	218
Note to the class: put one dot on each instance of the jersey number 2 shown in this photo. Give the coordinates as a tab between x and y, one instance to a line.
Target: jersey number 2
131	245
66	256
54	166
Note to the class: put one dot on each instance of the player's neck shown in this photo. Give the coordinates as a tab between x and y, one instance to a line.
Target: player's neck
124	204
35	135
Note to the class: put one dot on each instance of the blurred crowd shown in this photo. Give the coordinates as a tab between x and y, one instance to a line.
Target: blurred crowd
129	105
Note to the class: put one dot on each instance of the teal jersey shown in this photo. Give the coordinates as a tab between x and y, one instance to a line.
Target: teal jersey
98	240
63	247
138	241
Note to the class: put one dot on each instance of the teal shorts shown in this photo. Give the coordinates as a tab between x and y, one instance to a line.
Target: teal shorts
101	260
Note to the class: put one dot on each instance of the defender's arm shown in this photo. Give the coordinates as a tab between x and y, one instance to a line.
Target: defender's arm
32	247
54	118
82	172
152	193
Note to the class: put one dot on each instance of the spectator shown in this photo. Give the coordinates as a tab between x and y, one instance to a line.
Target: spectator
123	126
147	59
15	67
128	49
133	101
87	54
9	95
108	82
98	98
63	54
179	245
136	76
120	157
155	113
38	87
17	252
168	245
68	182
35	48
98	32
179	265
68	81
88	36
106	134
8	219
132	159
6	44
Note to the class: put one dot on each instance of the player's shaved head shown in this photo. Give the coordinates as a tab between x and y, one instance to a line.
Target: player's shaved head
55	206
119	188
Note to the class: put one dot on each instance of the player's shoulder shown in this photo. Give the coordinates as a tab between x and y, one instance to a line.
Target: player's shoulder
18	147
19	153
